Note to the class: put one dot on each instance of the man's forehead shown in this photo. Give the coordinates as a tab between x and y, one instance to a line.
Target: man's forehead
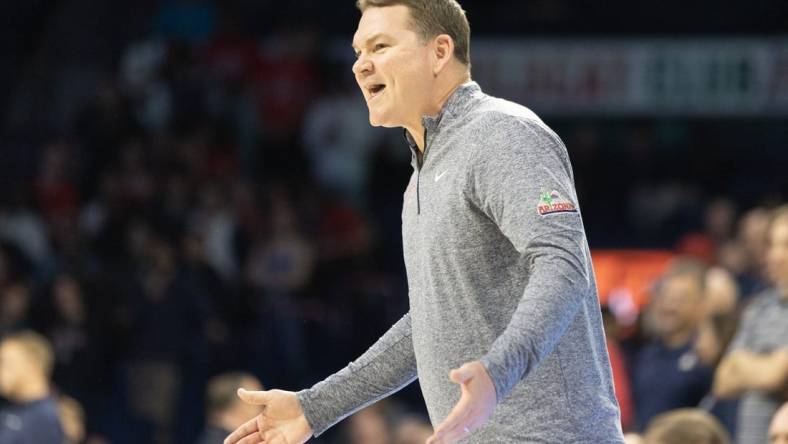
360	40
381	21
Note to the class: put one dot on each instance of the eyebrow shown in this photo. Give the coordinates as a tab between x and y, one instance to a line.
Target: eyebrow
372	37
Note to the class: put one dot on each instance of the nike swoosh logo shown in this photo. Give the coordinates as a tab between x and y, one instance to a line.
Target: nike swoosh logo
439	176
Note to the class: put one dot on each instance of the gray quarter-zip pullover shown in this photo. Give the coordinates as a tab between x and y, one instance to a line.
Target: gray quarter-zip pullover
499	271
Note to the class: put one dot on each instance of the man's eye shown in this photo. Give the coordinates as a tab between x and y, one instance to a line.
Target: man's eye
380	46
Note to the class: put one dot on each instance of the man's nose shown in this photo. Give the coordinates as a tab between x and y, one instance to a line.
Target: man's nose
362	66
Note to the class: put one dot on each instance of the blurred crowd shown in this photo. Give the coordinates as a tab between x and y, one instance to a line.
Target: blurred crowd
713	337
220	214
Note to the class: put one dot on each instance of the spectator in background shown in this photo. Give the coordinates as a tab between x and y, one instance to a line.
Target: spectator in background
685	426
166	325
720	318
23	228
778	429
715	332
281	263
285	82
223	410
72	419
14	307
216	224
56	193
279	268
666	372
722	292
370	425
26	362
752	240
719	220
756	367
69	331
78	343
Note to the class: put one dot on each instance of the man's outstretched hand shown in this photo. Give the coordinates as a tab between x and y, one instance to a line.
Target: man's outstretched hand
281	422
477	401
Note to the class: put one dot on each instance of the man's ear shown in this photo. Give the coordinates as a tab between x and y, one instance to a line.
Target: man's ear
443	51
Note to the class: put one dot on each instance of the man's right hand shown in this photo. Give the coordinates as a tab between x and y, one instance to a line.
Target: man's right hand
281	422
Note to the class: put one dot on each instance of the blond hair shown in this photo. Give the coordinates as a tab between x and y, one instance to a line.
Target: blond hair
685	426
36	347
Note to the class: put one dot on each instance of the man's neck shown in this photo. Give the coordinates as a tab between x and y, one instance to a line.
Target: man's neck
416	128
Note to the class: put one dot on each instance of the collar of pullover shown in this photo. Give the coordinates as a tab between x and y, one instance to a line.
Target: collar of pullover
455	106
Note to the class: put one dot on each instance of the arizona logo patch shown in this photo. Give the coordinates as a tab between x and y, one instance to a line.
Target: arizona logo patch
552	202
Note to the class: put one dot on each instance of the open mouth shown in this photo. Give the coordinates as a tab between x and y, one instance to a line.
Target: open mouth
375	90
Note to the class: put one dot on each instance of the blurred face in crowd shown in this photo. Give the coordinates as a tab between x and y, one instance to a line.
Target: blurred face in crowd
15	364
393	67
68	299
678	306
777	254
14	304
778	430
369	427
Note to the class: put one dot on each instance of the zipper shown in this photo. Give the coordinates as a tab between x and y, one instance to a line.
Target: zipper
418	175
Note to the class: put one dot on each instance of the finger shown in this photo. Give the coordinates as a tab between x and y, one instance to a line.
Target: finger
462	374
452	433
472	423
455	433
247	428
255	398
457	420
251	439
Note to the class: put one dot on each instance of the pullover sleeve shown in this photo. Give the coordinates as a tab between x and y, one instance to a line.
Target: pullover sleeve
386	367
523	181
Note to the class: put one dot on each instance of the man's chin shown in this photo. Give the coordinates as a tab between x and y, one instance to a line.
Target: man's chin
379	121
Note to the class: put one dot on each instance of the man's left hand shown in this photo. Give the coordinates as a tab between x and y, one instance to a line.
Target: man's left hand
477	401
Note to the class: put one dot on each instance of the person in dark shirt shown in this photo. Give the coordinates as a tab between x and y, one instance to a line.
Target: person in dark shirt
26	363
666	372
224	411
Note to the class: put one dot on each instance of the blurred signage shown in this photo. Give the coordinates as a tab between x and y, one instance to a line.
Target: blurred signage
660	76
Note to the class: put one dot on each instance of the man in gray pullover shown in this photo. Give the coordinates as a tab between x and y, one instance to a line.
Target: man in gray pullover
504	330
